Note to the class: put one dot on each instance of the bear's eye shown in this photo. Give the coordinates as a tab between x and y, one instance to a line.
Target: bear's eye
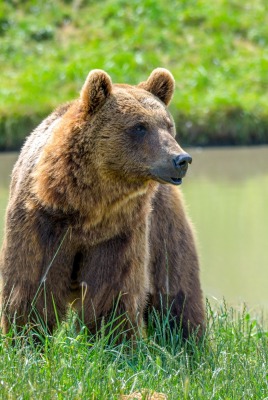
139	129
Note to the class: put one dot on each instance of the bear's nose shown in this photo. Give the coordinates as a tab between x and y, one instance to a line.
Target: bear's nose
182	160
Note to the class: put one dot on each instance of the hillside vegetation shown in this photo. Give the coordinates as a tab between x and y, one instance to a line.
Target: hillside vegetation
217	51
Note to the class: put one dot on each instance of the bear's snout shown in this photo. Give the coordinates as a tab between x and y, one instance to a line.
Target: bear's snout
172	170
181	162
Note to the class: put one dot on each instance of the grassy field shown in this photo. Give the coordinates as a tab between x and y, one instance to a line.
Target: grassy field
216	51
230	363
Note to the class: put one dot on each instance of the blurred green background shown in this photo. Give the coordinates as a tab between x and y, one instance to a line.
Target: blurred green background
217	51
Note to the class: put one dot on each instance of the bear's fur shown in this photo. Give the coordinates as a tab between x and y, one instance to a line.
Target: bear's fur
92	218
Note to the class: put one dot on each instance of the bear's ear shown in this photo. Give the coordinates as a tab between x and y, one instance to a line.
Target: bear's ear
96	90
161	84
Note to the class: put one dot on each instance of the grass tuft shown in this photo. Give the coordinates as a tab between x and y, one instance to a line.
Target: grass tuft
229	362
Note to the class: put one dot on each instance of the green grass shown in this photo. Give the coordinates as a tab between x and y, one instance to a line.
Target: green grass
216	51
230	363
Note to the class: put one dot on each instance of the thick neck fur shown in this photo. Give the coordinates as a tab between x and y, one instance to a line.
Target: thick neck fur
66	177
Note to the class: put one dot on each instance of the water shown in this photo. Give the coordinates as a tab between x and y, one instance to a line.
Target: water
227	195
226	191
6	163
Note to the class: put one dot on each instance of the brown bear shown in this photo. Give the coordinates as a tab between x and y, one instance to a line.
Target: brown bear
95	215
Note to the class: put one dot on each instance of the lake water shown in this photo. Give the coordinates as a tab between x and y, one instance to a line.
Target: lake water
226	191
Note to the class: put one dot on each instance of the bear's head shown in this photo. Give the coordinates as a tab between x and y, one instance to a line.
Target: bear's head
133	132
116	135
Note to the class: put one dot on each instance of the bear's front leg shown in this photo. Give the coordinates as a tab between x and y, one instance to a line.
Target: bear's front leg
36	265
113	277
174	266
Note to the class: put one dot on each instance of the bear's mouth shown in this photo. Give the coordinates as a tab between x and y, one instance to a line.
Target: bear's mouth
176	181
173	181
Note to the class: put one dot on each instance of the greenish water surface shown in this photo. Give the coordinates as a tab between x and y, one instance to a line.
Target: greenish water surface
226	192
